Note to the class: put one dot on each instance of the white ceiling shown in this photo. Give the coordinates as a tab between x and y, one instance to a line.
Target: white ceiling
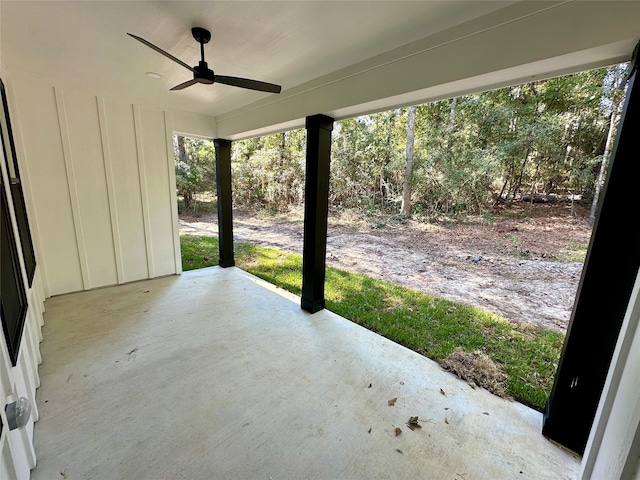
341	58
83	44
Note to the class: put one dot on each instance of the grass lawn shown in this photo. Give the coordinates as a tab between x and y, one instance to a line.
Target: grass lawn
426	324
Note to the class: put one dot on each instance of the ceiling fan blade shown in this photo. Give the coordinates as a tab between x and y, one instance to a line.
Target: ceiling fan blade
186	84
162	52
250	84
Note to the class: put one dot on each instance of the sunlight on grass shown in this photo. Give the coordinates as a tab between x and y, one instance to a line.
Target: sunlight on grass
429	325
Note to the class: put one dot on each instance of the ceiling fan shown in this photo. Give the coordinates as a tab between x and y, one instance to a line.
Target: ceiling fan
203	74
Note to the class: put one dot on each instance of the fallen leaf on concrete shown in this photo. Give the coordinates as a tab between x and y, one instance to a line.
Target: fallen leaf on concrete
392	402
485	413
446	408
413	423
446	421
63	473
398	431
442	392
398	450
369	430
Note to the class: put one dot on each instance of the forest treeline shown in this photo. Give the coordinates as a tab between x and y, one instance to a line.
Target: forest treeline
465	154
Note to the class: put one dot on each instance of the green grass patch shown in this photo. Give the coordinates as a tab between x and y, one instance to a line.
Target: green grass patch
429	325
198	252
574	252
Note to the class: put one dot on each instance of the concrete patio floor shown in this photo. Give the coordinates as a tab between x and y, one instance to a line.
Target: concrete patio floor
217	374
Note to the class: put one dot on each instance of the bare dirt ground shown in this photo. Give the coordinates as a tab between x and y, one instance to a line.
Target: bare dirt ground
517	275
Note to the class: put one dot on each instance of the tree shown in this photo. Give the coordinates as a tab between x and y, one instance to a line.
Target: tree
194	166
408	169
450	156
619	82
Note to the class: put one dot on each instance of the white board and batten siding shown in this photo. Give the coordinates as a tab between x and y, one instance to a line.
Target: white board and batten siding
17	454
101	185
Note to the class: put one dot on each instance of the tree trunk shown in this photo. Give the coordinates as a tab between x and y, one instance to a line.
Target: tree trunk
519	182
182	156
408	167
452	113
504	186
182	152
613	120
452	126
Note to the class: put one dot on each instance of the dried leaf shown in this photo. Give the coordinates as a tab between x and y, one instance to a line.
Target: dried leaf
485	413
442	392
446	408
398	450
63	473
398	431
413	424
392	402
369	430
446	421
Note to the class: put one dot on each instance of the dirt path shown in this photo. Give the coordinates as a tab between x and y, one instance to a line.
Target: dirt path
513	275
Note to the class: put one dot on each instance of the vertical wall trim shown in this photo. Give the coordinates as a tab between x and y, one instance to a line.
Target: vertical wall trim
41	263
111	194
175	222
144	191
73	191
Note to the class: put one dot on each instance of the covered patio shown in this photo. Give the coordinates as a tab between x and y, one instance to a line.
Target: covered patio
161	379
148	373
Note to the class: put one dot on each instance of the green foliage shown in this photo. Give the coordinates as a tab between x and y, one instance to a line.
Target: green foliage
195	165
426	324
469	152
268	172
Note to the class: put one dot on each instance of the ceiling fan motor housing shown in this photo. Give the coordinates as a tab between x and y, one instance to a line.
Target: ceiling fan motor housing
203	73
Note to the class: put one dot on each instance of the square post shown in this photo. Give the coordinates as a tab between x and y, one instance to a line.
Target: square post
608	277
225	212
316	211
